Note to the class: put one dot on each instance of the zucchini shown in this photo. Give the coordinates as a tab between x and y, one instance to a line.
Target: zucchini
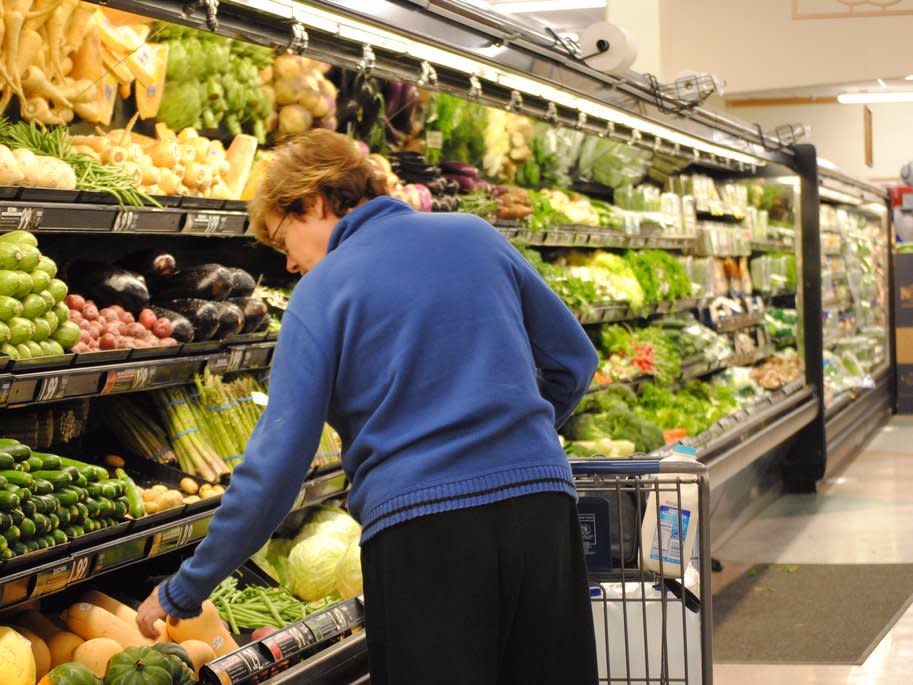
5	521
63	516
33	545
74	531
55	521
16	515
91	525
40	542
91	472
7	553
105	507
19	548
6	461
115	483
23	480
59	537
93	506
98	490
40	486
3	482
58	479
120	508
4	544
8	500
49	540
23	466
28	528
75	515
67	496
24	493
83	512
135	505
81	480
29	508
13	534
42	524
17	452
35	463
49	504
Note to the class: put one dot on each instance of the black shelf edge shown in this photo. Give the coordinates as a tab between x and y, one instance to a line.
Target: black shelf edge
122	373
595	237
614	312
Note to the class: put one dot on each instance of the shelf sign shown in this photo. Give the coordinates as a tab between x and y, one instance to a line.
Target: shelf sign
121	553
179	536
21	218
126	380
14	591
5	386
206	223
52	388
126	221
53	579
80	568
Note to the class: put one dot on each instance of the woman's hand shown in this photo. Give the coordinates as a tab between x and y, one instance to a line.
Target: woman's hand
149	612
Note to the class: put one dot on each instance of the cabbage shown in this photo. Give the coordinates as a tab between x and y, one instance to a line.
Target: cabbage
348	572
344	528
312	566
328	513
277	555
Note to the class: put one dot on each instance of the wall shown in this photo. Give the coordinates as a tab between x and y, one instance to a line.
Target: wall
756	45
837	132
642	19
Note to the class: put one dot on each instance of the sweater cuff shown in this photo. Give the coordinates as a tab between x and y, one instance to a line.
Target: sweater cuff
178	602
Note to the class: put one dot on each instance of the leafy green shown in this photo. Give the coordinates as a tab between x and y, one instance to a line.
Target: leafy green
461	123
614	420
544	214
579	295
660	274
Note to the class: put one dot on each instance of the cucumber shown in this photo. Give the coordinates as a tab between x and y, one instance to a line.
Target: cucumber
55	521
6	461
3	482
74	531
16	515
5	521
105	507
49	540
17	452
63	517
83	512
7	553
12	534
58	479
41	542
135	505
91	525
59	537
40	486
48	504
4	544
23	466
121	507
8	500
19	548
42	524
49	462
33	545
28	509
115	483
93	506
92	472
20	478
35	463
24	493
81	480
73	494
28	528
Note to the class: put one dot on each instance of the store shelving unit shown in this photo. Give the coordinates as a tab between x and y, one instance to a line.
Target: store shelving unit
453	47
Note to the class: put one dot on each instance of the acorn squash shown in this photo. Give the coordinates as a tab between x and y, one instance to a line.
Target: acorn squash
175	650
138	666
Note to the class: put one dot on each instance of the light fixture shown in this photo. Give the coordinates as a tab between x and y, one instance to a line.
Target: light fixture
533	7
360	32
837	196
908	78
881	83
875	98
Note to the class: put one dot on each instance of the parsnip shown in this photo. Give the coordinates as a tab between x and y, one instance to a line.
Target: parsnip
10	174
40	12
14	15
87	151
151	174
82	91
78	25
133	169
165	153
27	161
115	155
55	26
168	181
31	48
34	81
99	144
188	134
201	146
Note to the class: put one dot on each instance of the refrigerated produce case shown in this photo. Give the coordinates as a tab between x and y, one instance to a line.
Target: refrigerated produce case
857	313
735	210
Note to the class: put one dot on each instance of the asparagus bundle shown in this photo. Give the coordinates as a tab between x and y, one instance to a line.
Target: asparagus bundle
194	453
137	430
225	413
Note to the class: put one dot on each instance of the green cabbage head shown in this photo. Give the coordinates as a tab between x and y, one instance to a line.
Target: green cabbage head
312	566
348	572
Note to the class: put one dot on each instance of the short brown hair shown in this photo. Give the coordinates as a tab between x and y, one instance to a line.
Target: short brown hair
319	161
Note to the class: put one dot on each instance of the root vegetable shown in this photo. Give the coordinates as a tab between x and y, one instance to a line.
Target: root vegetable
55	26
115	154
40	11
14	16
240	157
294	120
168	182
165	153
151	174
36	82
100	144
189	485
288	90
78	25
31	47
197	176
27	161
287	67
10	174
87	60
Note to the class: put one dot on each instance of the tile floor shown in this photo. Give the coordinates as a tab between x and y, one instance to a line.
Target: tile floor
861	515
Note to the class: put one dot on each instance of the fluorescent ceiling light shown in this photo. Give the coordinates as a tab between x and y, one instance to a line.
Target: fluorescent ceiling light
355	30
837	196
881	83
909	77
534	6
875	98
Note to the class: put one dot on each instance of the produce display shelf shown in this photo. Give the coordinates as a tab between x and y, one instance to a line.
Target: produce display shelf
615	311
54	569
771	246
853	417
831	251
66	214
121	372
738	321
781	292
595	237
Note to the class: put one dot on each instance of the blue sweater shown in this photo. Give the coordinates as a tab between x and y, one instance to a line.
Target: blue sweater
442	359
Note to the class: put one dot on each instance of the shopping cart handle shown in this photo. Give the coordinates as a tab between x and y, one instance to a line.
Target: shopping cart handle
615	467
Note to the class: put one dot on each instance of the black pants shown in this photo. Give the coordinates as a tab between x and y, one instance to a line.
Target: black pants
490	595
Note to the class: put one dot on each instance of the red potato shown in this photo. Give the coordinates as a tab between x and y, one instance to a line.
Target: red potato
95	330
85	337
126	317
84	325
117	328
90	311
163	328
167	342
75	316
109	314
117	308
81	347
140	343
263	632
136	330
107	342
147	318
74	301
124	343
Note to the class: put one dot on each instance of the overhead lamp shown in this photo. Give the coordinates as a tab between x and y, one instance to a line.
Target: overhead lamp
534	7
908	77
838	196
367	34
875	98
881	83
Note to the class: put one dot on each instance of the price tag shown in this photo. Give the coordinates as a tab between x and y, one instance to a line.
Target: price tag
218	363
206	223
5	386
289	642
80	568
302	497
126	221
14	591
121	553
235	357
53	579
126	380
21	218
52	388
434	140
171	539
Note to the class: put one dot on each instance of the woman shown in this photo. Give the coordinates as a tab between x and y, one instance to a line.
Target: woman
445	364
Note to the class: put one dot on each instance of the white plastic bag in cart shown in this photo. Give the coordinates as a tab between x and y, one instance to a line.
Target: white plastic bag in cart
619	614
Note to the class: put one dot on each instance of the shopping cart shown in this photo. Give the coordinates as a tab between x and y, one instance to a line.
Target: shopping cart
650	592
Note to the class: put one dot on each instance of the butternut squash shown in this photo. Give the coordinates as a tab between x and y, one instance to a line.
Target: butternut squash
90	621
207	627
40	651
95	654
120	610
199	652
39	624
62	645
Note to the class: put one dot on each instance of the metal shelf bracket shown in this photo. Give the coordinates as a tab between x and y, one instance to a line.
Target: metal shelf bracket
300	38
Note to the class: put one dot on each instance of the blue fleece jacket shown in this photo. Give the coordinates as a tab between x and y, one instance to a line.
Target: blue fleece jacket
442	359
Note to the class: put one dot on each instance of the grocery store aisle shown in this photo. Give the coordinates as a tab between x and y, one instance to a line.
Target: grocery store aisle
861	515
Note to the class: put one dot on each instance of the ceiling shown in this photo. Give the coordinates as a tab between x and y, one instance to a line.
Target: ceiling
561	20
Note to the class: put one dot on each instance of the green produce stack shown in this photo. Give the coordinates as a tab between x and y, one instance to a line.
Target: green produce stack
46	500
34	320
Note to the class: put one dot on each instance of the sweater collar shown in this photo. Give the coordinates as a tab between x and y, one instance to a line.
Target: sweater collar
378	208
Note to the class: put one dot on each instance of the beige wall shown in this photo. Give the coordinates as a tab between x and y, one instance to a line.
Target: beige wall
642	19
756	45
837	132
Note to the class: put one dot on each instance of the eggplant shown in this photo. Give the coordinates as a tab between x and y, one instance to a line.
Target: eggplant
204	282
150	263
202	314
263	325
108	285
242	283
231	319
183	329
254	312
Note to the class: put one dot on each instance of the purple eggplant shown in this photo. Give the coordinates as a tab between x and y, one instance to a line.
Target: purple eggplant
183	329
108	285
203	315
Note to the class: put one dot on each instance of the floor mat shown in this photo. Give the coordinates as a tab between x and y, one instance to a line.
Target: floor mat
808	613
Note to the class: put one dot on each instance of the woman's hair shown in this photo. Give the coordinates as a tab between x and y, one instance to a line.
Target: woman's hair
319	161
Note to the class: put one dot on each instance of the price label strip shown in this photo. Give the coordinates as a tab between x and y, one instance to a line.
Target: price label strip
126	380
5	386
121	553
53	579
52	388
246	665
179	536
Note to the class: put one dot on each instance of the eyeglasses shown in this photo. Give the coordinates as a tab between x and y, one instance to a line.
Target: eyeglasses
273	237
